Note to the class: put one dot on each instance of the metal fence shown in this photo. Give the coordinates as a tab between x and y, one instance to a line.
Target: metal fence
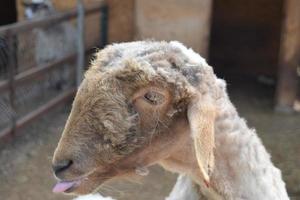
41	63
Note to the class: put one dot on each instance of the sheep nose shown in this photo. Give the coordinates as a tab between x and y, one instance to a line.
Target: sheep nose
61	166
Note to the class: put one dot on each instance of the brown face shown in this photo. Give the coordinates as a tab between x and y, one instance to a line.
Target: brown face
112	130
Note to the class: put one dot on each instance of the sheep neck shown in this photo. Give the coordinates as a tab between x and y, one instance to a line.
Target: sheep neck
243	168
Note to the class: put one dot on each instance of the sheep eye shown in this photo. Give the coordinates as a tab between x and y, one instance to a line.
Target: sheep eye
154	98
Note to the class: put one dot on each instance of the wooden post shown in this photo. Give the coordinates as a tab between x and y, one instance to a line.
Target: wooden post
121	20
80	42
104	26
289	57
186	21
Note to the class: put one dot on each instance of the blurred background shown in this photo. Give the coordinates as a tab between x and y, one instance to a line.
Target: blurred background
45	46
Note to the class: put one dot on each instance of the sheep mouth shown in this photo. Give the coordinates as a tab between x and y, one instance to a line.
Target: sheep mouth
91	181
66	186
82	185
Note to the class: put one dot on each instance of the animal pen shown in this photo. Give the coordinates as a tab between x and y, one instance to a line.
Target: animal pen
35	78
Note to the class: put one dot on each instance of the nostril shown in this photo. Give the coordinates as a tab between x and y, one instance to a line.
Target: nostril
62	166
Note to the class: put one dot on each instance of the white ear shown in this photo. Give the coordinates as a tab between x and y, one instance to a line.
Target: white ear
201	117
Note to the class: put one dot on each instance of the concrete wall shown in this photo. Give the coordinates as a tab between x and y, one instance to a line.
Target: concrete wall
186	21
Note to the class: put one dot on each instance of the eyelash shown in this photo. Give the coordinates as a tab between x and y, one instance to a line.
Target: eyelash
154	98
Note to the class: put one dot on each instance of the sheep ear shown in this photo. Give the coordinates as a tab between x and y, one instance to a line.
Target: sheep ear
201	117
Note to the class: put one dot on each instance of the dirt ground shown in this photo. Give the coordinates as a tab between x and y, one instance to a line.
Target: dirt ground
25	170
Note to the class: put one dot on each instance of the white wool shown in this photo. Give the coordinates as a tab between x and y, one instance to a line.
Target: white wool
93	197
194	57
243	168
183	189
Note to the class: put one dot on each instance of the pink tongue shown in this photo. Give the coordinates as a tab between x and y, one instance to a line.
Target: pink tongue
63	186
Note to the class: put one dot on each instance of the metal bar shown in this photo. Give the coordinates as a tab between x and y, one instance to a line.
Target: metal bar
36	72
11	73
38	112
38	23
80	42
104	26
51	20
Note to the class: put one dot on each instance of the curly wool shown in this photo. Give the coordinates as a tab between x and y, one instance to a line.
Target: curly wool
243	168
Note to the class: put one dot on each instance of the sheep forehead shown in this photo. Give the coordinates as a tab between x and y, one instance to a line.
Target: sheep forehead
100	110
169	60
100	98
194	57
168	64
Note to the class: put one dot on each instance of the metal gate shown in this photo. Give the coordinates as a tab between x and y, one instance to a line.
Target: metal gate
41	63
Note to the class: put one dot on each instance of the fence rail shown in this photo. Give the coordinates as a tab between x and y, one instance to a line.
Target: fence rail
10	86
16	28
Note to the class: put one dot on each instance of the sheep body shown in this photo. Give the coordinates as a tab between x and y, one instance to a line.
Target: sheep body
93	197
242	167
184	188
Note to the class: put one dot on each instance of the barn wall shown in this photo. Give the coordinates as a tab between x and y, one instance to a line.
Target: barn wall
121	20
187	21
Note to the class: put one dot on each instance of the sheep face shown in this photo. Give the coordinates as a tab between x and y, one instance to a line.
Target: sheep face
116	127
136	107
37	8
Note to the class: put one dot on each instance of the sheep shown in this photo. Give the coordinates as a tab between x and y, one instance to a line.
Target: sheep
147	102
183	189
51	43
